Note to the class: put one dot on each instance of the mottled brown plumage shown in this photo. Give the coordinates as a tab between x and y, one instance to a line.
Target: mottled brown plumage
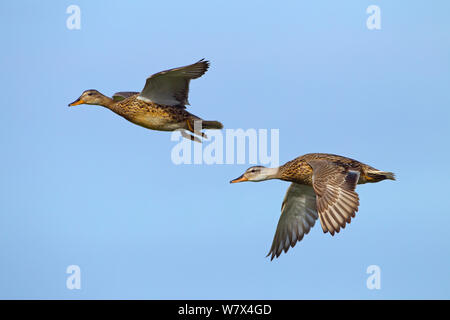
299	171
323	186
160	105
152	115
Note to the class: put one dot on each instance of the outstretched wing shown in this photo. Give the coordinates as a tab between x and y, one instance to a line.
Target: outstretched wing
337	201
298	215
119	96
171	87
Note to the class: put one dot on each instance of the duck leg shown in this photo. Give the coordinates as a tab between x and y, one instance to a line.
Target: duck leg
192	129
189	136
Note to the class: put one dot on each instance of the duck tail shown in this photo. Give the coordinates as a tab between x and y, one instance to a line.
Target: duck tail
376	175
389	175
212	125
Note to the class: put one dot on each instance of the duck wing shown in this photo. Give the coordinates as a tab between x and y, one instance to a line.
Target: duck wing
337	201
171	87
298	216
119	96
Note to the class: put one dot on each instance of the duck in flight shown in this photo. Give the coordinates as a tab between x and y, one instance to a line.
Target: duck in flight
161	105
323	186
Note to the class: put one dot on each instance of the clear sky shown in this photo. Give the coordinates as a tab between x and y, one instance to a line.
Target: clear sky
82	186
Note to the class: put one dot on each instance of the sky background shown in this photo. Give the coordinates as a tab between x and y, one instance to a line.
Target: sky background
82	186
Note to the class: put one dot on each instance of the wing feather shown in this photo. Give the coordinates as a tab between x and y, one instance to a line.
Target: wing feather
171	87
119	96
298	216
337	201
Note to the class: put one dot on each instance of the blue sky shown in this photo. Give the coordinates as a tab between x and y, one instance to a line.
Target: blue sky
81	186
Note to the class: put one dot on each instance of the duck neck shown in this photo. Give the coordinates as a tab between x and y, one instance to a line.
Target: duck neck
271	173
107	102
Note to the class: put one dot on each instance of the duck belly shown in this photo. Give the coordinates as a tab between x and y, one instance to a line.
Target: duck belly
158	123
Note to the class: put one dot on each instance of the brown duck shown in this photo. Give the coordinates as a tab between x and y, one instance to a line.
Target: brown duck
161	105
323	186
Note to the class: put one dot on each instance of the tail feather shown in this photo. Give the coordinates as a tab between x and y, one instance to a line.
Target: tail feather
212	125
388	175
375	175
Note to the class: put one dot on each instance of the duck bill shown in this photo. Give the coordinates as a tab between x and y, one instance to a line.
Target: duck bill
76	102
240	179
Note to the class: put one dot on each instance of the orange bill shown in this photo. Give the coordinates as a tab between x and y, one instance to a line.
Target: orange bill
240	179
76	102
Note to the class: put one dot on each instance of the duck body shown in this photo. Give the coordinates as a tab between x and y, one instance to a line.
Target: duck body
300	171
161	105
152	115
322	187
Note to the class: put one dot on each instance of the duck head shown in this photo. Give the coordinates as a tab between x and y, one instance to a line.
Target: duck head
257	173
91	97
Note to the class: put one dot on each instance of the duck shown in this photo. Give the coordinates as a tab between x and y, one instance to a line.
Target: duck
322	187
161	105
